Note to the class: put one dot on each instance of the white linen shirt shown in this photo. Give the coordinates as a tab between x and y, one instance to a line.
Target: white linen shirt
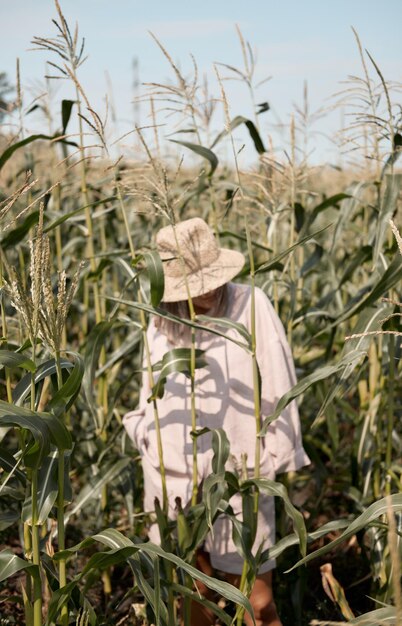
224	399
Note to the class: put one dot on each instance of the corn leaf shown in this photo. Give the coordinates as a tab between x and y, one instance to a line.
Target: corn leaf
388	206
48	368
64	397
122	548
156	276
15	359
254	134
373	512
10	564
8	463
274	488
105	476
269	265
95	342
351	358
176	360
47	491
206	153
24	142
178	320
17	234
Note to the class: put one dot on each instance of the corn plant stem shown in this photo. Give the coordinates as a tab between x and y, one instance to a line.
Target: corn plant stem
243	580
257	407
165	502
88	216
373	385
4	335
390	412
194	493
103	384
242	586
394	586
37	587
256	383
60	508
143	321
28	585
95	287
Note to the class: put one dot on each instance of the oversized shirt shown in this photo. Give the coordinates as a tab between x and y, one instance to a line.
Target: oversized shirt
224	399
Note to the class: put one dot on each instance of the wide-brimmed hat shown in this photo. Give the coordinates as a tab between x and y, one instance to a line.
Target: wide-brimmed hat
197	258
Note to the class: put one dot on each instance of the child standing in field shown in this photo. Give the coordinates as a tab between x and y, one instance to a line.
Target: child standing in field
224	399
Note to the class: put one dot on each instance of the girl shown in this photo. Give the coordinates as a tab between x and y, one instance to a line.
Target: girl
224	399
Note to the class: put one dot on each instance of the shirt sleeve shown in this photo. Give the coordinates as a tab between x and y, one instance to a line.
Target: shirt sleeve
282	446
134	421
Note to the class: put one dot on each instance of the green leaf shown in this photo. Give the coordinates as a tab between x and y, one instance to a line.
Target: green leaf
221	450
8	518
320	374
395	154
176	360
274	488
24	142
348	207
387	281
387	616
105	476
325	204
293	539
254	134
156	276
374	511
229	324
213	489
270	264
255	244
66	109
179	320
8	463
66	216
46	429
47	491
10	564
360	256
184	534
242	534
388	206
64	397
122	548
48	368
369	320
37	450
16	235
95	342
102	265
206	153
196	597
15	359
60	436
129	345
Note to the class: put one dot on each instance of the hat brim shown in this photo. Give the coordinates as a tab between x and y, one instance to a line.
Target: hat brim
225	267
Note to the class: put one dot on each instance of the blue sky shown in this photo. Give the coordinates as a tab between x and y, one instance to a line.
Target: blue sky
294	40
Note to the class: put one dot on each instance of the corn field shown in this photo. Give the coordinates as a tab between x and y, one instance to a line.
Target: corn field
80	279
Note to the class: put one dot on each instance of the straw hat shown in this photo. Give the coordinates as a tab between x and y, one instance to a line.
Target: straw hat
206	265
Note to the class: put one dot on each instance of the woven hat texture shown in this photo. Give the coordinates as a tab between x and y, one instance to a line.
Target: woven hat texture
194	254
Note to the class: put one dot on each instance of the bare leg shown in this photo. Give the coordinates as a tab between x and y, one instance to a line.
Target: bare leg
261	599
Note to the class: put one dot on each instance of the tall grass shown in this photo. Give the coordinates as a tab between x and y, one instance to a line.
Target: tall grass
318	242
